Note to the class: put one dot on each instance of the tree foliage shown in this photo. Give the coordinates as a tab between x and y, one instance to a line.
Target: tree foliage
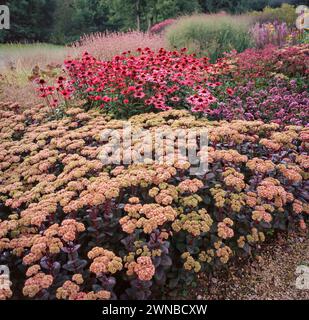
64	21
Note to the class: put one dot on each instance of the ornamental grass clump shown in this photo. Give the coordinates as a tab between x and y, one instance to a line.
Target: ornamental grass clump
105	46
210	35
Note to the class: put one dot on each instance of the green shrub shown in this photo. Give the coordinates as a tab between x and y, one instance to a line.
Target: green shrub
285	13
210	35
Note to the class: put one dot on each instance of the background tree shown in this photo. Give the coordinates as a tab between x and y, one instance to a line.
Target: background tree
64	21
77	17
232	6
159	10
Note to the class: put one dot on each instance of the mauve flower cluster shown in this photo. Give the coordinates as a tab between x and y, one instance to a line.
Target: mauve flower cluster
276	33
282	101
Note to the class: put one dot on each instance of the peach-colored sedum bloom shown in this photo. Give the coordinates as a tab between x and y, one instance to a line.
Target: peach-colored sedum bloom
5	293
260	214
143	268
191	186
36	283
104	261
224	231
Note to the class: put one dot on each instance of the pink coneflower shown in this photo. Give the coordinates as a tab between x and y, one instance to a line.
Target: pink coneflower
131	89
175	99
106	99
139	94
65	93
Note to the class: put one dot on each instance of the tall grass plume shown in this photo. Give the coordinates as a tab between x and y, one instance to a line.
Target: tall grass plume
211	35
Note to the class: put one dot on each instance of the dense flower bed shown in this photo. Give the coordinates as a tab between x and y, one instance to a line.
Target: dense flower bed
268	84
72	228
291	61
128	84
